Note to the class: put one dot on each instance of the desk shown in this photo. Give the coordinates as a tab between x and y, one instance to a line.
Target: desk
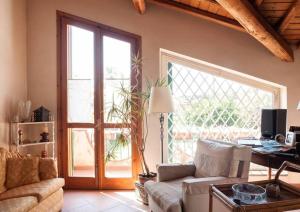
272	161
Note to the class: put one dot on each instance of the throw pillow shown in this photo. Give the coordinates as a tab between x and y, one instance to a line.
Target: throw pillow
47	169
22	171
3	155
13	155
212	159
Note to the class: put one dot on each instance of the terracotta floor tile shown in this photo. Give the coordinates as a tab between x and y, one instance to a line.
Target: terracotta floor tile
94	201
123	196
122	208
85	208
73	201
103	203
137	205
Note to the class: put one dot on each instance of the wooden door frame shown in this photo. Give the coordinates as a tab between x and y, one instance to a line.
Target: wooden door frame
62	149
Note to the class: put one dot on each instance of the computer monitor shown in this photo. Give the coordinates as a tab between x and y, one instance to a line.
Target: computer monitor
273	122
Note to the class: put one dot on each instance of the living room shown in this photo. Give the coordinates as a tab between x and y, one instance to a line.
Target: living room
100	96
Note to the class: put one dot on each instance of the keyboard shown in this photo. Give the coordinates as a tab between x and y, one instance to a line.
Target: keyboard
259	143
250	142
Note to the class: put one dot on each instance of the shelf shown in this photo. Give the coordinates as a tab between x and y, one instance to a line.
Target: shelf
35	144
34	123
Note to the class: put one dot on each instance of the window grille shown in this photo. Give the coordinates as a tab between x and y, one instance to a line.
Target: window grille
210	107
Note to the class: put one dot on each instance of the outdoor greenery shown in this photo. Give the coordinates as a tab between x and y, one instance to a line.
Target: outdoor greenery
113	146
208	112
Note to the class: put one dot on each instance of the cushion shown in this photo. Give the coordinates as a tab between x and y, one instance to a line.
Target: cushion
47	169
3	153
201	185
236	168
13	155
167	195
40	190
213	159
241	159
22	171
168	172
198	186
53	203
18	204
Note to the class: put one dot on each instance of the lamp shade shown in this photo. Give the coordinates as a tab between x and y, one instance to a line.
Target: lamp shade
298	107
160	100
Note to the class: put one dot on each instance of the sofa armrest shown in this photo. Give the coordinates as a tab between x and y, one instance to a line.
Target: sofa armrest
201	185
168	172
47	169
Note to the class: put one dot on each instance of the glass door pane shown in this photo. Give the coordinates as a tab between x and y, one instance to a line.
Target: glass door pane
82	154
117	70
118	155
117	73
80	105
80	75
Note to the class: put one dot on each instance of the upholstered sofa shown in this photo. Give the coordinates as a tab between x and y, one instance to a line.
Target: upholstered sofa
185	187
18	195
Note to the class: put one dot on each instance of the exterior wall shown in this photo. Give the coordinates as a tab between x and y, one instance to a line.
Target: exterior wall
13	64
159	28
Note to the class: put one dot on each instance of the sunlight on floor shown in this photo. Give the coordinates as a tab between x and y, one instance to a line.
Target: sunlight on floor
104	200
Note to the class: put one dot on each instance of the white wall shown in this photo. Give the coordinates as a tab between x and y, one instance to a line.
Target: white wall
13	79
159	28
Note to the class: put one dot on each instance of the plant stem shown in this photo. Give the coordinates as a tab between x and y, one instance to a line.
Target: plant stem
145	164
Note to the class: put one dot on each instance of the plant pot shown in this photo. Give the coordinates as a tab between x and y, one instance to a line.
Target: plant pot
144	177
140	189
141	194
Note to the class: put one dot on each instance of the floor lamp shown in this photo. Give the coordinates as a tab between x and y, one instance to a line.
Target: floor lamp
161	102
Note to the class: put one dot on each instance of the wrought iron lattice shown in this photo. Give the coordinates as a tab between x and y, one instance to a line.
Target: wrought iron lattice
210	107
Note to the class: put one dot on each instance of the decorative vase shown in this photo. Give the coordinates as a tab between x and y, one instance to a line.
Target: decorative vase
24	110
273	190
140	189
27	110
141	194
44	154
144	178
45	137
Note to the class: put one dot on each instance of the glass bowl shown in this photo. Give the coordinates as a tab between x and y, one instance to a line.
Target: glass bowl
249	193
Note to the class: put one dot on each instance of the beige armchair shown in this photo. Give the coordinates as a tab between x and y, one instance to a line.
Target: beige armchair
185	187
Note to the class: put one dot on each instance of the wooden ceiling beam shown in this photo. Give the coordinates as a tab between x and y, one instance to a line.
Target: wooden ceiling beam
199	13
256	25
139	5
292	12
258	2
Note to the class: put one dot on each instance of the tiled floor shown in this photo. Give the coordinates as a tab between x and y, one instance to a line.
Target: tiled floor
96	201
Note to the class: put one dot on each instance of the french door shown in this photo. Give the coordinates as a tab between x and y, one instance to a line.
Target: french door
94	62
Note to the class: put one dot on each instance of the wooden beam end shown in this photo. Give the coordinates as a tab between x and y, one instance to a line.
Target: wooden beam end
258	27
140	6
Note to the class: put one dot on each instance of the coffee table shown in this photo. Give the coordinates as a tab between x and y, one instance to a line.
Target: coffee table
221	196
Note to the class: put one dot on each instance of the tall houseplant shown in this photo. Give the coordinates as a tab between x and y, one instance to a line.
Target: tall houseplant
131	109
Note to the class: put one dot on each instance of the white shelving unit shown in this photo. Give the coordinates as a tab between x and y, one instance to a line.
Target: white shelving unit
29	143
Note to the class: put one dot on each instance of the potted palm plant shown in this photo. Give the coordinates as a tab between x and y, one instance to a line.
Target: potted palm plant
131	108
